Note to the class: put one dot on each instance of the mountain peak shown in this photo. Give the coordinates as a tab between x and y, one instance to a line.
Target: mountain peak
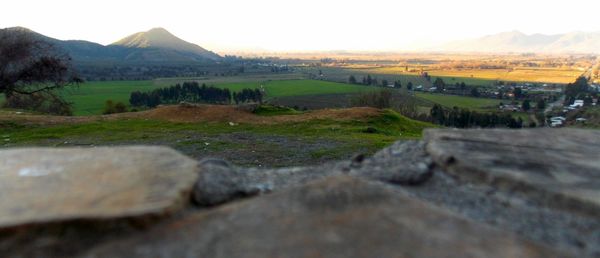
19	28
160	38
159	30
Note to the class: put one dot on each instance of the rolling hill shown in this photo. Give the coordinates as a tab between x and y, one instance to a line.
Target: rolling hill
154	46
516	41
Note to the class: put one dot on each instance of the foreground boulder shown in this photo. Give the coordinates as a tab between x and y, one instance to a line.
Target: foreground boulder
403	163
46	185
561	168
456	193
336	217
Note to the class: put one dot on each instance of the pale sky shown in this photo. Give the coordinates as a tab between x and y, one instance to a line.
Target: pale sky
301	25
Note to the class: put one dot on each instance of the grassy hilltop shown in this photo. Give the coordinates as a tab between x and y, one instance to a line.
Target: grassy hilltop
266	139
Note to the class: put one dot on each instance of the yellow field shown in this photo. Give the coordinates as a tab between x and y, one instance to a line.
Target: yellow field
546	75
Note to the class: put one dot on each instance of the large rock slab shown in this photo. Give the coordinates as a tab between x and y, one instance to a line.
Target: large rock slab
557	168
336	217
43	185
403	163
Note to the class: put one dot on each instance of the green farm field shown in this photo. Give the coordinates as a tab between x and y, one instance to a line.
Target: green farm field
390	74
447	77
89	98
449	101
290	88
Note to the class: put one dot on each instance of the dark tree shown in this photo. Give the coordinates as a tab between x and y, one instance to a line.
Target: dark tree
464	118
352	79
541	104
526	106
437	114
110	107
30	70
475	92
29	65
576	90
518	93
439	84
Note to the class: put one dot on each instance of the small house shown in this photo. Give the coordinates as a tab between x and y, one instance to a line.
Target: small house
577	103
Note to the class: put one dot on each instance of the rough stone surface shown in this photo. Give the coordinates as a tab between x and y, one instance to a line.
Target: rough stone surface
403	163
457	193
513	212
48	185
560	167
337	217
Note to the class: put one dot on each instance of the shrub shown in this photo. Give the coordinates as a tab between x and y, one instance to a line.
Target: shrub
112	108
43	102
399	101
269	110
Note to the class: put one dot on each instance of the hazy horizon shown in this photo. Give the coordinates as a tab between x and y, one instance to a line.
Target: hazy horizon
275	26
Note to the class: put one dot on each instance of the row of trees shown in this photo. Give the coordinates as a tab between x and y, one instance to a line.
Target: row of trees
193	92
454	117
248	95
527	105
464	118
368	80
110	107
399	101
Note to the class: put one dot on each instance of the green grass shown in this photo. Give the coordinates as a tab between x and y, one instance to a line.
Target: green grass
524	116
592	114
390	127
269	110
89	97
450	101
289	88
214	138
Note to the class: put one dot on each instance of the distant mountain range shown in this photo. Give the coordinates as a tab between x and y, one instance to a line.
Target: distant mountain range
515	41
156	46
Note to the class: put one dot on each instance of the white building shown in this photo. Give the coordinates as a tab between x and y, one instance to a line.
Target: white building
577	103
556	123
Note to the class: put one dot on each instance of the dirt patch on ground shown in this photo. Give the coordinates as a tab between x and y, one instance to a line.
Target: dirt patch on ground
215	113
200	113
